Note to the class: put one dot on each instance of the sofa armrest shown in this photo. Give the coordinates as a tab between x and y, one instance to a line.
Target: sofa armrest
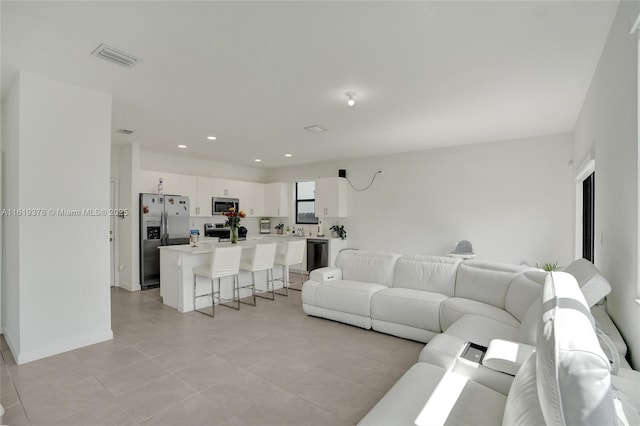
328	273
506	356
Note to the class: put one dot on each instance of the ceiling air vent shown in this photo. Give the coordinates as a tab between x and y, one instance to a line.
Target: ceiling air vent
116	56
124	131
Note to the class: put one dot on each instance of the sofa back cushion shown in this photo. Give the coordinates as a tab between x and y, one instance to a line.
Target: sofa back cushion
367	266
428	273
523	290
572	371
486	282
592	284
523	406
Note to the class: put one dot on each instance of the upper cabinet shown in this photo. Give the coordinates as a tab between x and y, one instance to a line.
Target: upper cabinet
149	180
256	199
225	188
331	197
189	188
251	197
276	199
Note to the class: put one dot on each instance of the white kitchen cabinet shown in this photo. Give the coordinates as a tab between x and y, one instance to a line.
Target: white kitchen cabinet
148	182
276	199
331	197
189	188
225	188
251	195
205	193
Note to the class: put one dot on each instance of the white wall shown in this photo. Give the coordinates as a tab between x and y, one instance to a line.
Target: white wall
193	166
512	200
60	267
608	126
129	227
10	235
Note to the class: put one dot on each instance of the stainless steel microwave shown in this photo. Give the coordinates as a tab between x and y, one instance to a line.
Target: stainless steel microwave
221	205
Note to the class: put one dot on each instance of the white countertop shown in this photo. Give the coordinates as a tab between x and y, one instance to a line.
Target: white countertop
207	245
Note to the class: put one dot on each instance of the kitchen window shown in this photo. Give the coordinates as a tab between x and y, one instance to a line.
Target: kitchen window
306	202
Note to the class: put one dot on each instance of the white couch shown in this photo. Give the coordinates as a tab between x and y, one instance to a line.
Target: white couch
451	304
417	297
566	381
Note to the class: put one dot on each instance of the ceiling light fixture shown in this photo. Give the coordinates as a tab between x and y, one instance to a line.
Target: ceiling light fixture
257	160
182	146
211	138
288	155
125	131
351	101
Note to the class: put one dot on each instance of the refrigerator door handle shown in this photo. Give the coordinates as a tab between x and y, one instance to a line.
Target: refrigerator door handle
163	229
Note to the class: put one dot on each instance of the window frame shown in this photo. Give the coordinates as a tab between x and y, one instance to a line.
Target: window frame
306	200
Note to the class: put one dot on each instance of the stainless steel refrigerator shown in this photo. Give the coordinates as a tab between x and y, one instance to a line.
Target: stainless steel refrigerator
164	221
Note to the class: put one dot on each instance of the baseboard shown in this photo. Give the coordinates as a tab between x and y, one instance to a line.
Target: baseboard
68	345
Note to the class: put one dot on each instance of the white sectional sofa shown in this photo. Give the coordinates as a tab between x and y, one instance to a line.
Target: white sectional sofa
456	305
565	381
417	297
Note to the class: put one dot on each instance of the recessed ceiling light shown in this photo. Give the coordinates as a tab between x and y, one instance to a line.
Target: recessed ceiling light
125	131
211	138
315	129
288	155
182	146
257	160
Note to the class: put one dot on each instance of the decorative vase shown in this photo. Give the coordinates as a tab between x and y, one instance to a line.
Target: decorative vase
234	235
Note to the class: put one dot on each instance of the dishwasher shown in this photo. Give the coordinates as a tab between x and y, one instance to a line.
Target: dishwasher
317	254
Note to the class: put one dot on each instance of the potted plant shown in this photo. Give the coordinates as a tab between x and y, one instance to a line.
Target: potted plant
280	228
338	231
548	266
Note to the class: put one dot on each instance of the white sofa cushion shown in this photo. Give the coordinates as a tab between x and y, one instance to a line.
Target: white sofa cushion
528	332
428	395
573	381
454	308
486	281
367	266
481	330
592	284
353	297
428	273
415	308
523	406
523	290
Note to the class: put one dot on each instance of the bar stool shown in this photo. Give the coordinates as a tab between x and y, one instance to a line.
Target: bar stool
225	262
293	254
262	260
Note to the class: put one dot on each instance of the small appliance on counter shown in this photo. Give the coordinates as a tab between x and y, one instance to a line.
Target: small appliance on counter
265	226
195	237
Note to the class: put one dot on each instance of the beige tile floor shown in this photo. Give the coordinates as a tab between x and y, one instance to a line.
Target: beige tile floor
268	365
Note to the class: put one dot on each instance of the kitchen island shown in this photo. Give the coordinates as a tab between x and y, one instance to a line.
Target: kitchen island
176	273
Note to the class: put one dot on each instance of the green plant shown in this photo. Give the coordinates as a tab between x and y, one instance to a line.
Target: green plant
280	226
548	266
339	230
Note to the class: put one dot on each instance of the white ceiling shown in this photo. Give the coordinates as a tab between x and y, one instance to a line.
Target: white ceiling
254	74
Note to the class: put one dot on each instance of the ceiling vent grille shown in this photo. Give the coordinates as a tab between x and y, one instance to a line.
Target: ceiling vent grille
124	131
116	56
